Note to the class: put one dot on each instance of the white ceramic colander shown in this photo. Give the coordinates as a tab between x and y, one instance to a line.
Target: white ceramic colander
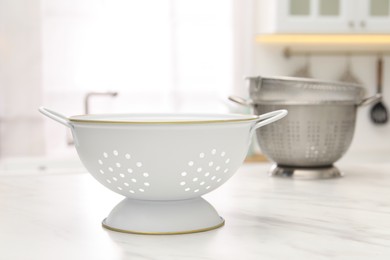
162	164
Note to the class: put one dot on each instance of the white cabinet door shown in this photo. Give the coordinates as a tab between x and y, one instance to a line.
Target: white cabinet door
374	16
315	16
324	16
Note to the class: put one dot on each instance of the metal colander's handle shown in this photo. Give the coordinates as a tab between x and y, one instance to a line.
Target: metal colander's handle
241	101
55	116
371	100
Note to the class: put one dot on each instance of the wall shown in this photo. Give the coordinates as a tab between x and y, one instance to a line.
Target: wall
20	78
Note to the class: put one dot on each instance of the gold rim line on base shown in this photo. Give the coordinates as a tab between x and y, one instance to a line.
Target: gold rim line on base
163	233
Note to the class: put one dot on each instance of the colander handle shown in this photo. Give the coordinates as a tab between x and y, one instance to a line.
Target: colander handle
370	100
55	116
268	118
241	101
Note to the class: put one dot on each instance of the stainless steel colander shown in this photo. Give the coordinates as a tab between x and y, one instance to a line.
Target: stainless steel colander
320	125
314	135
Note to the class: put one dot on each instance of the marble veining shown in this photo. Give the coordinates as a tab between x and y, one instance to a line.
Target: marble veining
59	217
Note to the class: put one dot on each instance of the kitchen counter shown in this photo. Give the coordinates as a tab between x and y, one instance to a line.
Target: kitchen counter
58	216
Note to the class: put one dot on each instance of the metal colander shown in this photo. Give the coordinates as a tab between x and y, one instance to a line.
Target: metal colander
312	135
300	90
320	124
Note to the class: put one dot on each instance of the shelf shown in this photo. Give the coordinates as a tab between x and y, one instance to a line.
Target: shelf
325	39
288	52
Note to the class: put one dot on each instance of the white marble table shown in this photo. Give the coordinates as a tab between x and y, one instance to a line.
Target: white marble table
58	216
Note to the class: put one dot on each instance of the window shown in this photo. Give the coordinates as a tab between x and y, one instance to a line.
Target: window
160	55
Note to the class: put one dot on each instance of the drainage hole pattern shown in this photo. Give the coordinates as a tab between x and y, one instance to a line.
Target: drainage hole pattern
123	173
204	172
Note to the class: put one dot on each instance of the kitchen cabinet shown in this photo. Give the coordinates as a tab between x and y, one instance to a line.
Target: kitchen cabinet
374	16
324	16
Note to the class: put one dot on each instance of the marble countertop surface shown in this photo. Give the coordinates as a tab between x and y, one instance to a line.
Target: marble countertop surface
58	216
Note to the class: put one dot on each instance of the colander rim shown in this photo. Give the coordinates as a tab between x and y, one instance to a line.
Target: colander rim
183	118
310	80
292	102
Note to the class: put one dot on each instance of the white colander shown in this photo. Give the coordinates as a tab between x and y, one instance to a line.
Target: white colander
162	164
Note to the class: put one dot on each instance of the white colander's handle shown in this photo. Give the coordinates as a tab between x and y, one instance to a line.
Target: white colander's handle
268	118
55	116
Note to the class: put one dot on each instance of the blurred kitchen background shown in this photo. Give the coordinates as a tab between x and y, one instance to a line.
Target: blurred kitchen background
118	56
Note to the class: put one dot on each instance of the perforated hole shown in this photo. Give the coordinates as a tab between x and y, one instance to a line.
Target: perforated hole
196	177
115	174
211	163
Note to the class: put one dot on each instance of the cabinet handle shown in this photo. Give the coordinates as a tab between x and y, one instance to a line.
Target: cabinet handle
362	24
351	24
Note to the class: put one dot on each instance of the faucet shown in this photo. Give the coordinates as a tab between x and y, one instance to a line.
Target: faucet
86	107
90	94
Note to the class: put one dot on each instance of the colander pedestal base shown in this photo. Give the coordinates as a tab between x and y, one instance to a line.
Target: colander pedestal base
307	173
163	217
